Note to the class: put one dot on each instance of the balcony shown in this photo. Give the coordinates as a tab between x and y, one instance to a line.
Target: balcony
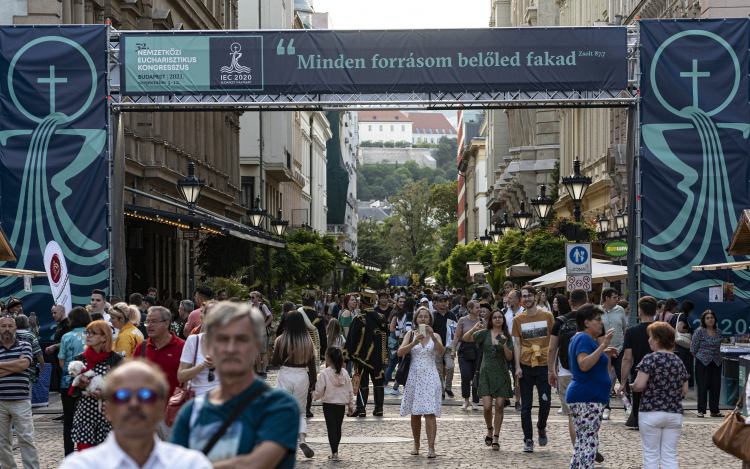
338	230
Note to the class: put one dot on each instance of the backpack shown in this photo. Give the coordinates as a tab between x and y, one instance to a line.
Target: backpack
564	335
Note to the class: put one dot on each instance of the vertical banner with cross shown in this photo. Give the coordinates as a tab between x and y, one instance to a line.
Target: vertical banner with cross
53	161
695	166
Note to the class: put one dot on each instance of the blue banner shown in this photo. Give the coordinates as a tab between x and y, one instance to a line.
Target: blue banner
696	171
53	160
400	61
398	281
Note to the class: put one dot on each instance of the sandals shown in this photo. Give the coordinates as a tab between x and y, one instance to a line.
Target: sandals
717	415
496	446
415	451
431	454
488	439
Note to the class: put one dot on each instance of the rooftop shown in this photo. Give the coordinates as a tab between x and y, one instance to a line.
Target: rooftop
430	123
383	116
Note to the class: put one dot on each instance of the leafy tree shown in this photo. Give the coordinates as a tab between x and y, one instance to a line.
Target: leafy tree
388	144
444	199
447	153
457	269
372	243
544	252
411	208
365	144
392	184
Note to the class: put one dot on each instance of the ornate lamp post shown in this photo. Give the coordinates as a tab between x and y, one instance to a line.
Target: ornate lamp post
622	220
256	214
505	226
190	189
604	224
577	184
522	217
279	225
485	239
542	205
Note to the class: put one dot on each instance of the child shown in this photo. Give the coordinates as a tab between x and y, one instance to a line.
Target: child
334	388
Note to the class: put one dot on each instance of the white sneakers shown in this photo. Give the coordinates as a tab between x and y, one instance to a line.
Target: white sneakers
605	414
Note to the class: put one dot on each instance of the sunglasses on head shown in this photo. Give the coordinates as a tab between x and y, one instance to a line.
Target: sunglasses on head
144	396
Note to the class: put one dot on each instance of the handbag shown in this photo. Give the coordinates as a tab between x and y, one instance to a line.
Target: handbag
402	374
683	339
181	395
733	435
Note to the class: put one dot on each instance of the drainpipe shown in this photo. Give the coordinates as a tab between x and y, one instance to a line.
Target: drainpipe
312	118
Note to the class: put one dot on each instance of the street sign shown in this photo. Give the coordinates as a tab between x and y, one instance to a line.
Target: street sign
616	249
192	235
578	258
578	281
27	283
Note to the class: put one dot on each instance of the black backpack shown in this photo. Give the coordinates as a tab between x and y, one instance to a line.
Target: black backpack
566	332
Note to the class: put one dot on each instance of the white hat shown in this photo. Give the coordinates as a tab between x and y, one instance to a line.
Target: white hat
424	300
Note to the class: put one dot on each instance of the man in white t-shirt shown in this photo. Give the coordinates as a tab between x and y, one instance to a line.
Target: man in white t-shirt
514	309
261	362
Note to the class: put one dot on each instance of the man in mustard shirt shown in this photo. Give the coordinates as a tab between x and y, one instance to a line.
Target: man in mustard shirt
531	330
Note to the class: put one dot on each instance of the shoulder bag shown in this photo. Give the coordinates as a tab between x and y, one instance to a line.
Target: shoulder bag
235	413
733	435
181	394
683	339
402	375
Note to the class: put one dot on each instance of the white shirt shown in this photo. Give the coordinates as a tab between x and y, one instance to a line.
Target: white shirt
110	455
200	384
509	315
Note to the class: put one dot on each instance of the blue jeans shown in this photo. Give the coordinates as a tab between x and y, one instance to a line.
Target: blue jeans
534	376
391	368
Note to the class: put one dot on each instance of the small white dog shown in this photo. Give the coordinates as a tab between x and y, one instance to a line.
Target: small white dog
96	381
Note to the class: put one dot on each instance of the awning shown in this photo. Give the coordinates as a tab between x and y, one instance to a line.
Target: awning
7	254
739	245
6	272
474	268
600	273
744	265
206	224
520	270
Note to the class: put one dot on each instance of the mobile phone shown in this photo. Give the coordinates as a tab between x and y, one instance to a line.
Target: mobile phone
500	339
423	329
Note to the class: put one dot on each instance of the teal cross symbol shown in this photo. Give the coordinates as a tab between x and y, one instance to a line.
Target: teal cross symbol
695	74
52	82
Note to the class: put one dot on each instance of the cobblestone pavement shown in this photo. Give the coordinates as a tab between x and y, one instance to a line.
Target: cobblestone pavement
460	440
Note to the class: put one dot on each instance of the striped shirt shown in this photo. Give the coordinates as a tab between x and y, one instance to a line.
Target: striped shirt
15	386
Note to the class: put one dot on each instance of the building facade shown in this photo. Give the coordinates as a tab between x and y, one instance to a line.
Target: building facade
342	179
384	126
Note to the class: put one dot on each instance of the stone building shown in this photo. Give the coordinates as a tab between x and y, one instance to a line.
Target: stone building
157	146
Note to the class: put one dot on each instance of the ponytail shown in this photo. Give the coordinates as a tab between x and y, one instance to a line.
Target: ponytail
337	358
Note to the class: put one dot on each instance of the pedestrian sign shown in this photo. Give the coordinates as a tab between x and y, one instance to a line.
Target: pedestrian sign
578	258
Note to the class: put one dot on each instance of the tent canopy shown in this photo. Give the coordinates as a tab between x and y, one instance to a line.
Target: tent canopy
520	270
600	273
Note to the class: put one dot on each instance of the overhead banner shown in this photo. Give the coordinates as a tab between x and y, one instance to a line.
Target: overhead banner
53	161
402	61
696	170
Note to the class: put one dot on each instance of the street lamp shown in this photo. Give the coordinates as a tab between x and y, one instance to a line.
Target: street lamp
596	222
505	226
523	218
256	214
496	234
279	225
542	205
576	185
190	189
604	224
622	220
485	239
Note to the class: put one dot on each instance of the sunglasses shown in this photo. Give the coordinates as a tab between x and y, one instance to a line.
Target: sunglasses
144	396
211	375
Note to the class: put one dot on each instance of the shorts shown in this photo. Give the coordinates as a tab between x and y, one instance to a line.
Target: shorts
562	385
264	345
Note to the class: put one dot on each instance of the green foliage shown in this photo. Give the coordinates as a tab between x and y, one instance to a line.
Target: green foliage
232	284
372	243
441	275
544	252
457	269
511	247
381	181
366	144
388	144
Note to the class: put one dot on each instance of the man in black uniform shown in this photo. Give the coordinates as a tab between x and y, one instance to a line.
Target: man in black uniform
308	307
367	348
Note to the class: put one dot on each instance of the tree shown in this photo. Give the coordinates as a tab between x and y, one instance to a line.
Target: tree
444	199
447	153
457	269
544	252
411	208
365	144
388	144
372	244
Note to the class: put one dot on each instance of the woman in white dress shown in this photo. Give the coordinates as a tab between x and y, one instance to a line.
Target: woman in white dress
423	390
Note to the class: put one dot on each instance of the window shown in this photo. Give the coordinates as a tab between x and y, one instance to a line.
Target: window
430	130
248	191
381	128
436	131
432	140
403	128
369	128
424	131
391	128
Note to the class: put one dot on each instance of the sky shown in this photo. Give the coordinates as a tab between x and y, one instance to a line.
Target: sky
405	14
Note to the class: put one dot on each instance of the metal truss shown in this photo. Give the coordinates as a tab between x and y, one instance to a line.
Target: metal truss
359	101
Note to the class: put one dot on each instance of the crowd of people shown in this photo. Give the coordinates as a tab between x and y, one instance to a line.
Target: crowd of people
179	381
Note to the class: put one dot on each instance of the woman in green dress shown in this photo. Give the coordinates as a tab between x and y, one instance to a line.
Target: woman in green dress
494	378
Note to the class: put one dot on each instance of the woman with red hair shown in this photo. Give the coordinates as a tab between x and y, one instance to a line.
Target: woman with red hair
90	427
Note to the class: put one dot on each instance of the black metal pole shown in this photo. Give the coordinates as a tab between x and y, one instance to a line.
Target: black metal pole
252	263
268	269
191	260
